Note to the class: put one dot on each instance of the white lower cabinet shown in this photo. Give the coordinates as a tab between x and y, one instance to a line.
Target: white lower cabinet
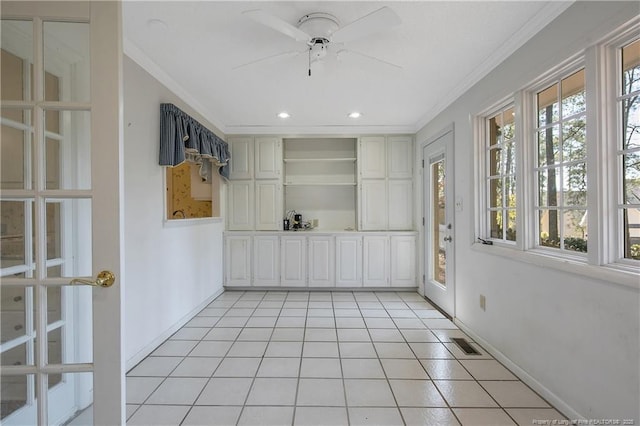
266	261
348	261
293	261
403	261
321	262
238	261
375	264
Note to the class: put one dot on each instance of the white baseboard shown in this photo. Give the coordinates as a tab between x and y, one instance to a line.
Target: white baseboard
144	352
558	403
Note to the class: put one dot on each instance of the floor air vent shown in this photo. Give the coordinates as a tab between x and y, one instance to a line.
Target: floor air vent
465	346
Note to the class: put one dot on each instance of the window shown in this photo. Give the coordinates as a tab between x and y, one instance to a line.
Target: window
500	154
537	158
560	169
628	148
188	195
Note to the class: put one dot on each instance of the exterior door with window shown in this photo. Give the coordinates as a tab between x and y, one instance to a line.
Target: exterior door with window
60	180
439	284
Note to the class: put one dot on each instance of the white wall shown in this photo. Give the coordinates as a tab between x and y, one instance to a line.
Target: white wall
171	269
578	337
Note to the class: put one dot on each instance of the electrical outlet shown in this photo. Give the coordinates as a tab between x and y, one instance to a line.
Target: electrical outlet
483	302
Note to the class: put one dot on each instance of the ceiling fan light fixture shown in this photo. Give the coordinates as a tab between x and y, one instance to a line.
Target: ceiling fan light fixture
284	114
354	114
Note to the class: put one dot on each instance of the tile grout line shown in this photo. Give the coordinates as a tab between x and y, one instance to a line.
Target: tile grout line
222	359
443	339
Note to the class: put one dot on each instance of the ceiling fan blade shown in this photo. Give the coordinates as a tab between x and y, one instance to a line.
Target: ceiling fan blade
375	21
373	58
266	19
269	58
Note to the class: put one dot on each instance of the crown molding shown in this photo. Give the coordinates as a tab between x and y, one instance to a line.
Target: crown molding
139	57
547	14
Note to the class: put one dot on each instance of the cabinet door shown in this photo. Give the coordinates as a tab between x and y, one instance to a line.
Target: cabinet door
293	261
375	268
348	261
403	261
373	205
241	164
400	204
400	157
266	261
321	262
268	205
240	217
268	158
237	261
372	158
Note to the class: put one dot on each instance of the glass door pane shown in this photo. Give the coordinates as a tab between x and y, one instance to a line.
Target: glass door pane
438	230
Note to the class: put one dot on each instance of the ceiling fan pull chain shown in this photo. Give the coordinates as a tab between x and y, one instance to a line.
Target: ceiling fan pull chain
309	61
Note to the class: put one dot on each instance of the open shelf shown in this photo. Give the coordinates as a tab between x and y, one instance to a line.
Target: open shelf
320	180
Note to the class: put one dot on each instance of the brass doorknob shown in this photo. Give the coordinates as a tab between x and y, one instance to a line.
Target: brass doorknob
104	279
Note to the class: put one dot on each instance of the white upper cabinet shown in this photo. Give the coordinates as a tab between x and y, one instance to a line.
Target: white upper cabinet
348	261
400	196
241	150
268	205
373	205
241	208
293	261
321	261
403	261
386	183
400	157
372	157
268	158
266	261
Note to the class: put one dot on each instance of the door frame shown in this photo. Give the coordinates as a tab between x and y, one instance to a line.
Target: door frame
450	309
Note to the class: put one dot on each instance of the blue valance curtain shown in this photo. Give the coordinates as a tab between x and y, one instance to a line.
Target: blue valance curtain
183	138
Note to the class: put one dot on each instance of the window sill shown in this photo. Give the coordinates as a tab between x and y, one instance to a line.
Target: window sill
612	274
178	223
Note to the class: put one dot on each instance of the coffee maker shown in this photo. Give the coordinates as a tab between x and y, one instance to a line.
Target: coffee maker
297	221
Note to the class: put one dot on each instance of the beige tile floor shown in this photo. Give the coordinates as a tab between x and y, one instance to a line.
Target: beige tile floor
325	358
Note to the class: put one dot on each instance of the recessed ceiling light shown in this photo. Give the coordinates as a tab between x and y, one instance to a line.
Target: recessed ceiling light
284	114
354	114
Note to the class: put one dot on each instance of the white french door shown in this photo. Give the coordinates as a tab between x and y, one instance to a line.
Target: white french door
439	285
60	183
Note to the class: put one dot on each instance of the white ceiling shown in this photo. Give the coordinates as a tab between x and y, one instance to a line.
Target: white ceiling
443	47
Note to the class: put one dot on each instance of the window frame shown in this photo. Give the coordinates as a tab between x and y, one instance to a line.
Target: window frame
483	225
604	260
531	166
609	58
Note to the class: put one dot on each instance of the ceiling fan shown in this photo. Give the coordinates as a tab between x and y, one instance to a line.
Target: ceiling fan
322	32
